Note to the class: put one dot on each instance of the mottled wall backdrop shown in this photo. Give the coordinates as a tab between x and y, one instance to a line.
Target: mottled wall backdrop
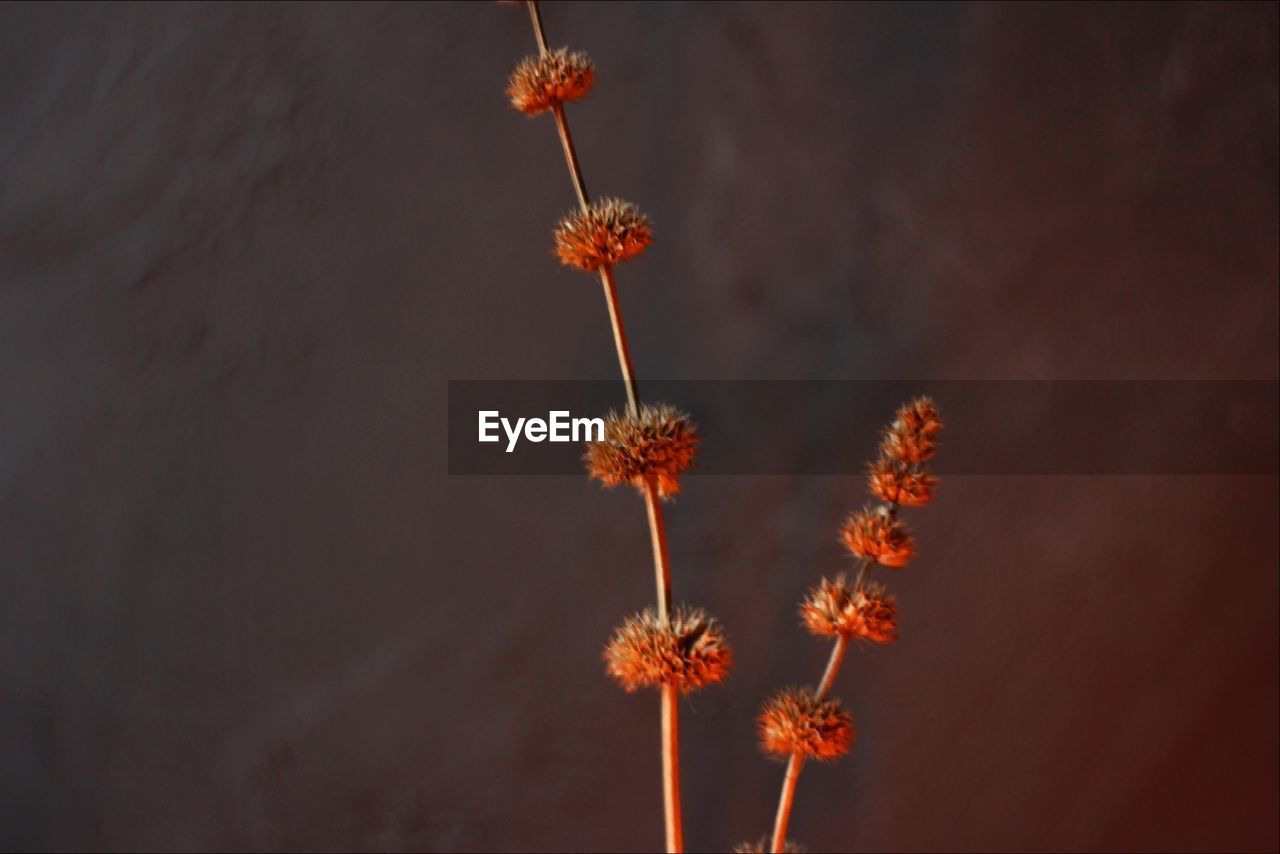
242	248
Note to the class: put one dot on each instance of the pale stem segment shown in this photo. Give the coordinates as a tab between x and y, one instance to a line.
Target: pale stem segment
833	667
670	693
620	342
537	27
779	841
658	539
671	767
862	574
571	155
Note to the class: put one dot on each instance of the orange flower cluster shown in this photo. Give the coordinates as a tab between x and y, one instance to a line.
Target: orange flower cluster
688	650
912	437
805	724
608	231
657	443
538	83
899	479
895	483
795	722
874	534
834	608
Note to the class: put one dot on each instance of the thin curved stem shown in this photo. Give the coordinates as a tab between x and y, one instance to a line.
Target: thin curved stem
571	155
537	27
833	667
661	559
620	338
862	573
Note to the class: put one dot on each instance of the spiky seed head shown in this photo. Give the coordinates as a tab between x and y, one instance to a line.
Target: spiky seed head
608	231
688	650
896	483
874	534
794	722
540	82
657	444
835	608
912	436
762	846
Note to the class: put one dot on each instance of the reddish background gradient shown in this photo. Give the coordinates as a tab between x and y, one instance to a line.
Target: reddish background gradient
243	248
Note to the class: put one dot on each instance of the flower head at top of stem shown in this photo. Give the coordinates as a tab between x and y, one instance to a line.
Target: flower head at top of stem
912	436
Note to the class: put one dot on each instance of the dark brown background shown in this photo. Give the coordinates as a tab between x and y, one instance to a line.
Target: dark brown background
243	248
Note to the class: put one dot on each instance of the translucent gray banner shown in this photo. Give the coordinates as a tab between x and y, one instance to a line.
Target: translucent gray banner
831	427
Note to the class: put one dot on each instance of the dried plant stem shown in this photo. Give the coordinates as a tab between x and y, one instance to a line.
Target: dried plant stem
657	526
796	762
833	667
671	767
571	155
779	840
658	539
862	574
537	28
624	362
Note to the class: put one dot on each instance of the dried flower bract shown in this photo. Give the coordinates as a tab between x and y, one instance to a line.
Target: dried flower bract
875	535
656	444
835	608
793	722
912	437
540	82
608	231
895	483
689	651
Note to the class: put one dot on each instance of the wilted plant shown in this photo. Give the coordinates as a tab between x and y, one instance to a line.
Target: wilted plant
799	724
678	650
646	447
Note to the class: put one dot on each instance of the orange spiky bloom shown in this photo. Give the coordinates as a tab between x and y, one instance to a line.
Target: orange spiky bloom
876	535
655	444
835	608
538	83
794	722
688	651
895	483
608	231
912	436
761	846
